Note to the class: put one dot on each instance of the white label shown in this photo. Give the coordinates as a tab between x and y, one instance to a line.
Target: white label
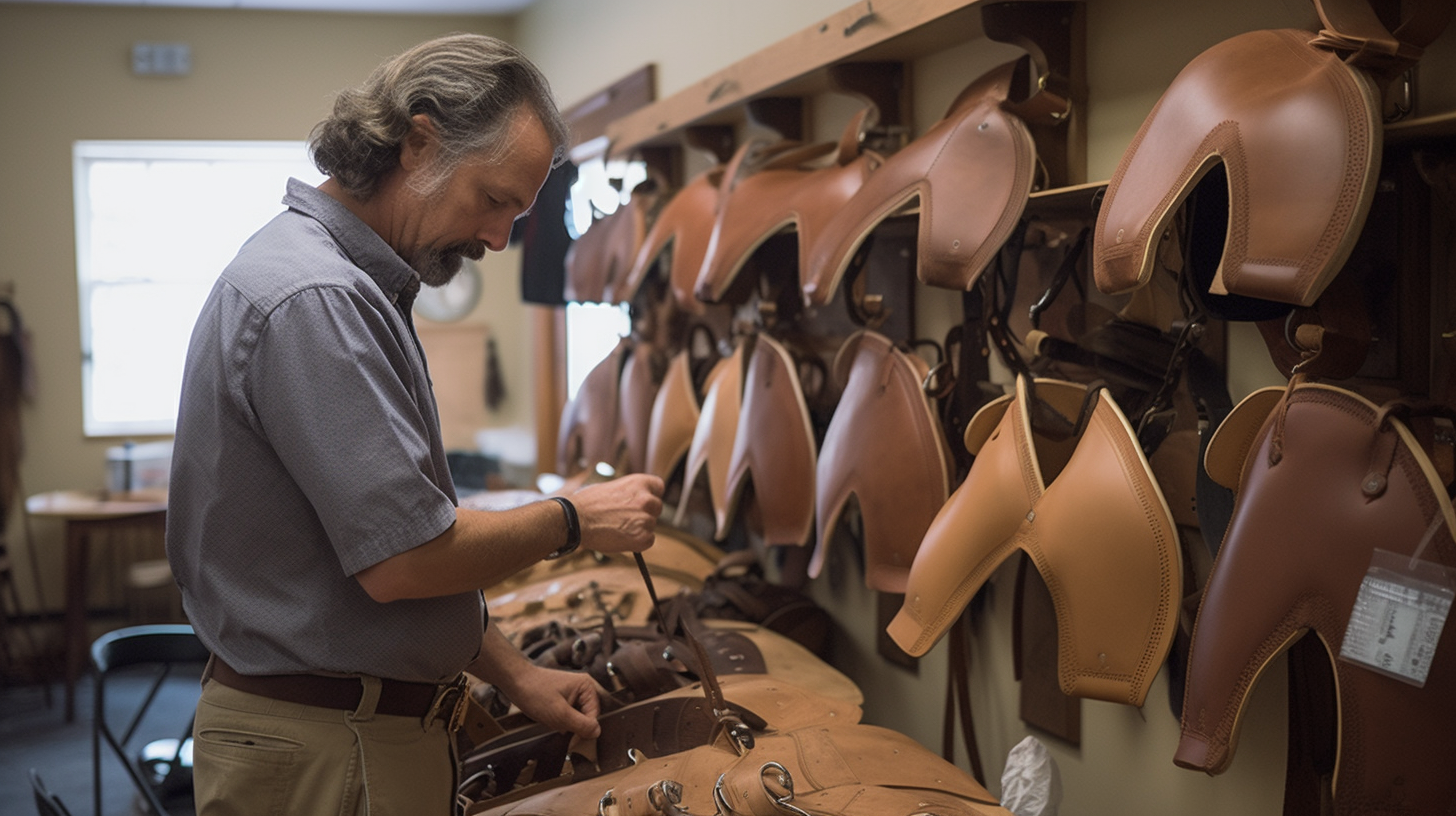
1398	618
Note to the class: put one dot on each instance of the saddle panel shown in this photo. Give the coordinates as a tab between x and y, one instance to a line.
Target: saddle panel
775	445
711	449
885	446
1304	527
1298	133
674	417
969	175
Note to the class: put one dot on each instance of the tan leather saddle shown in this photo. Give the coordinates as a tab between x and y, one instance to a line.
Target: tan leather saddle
637	394
591	429
681	232
886	447
598	262
786	191
1295	120
1087	511
775	445
969	176
674	417
1324	477
711	449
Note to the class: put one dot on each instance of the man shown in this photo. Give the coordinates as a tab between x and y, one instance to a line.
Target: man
313	525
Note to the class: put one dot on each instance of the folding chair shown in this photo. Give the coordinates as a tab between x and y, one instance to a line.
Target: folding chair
161	647
46	803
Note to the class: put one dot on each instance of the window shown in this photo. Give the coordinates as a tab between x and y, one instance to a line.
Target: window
593	329
156	222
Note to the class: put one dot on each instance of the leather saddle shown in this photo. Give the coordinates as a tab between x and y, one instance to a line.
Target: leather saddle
784	190
681	232
674	417
598	262
885	446
775	445
1087	510
591	429
637	394
711	448
1295	121
969	176
1323	478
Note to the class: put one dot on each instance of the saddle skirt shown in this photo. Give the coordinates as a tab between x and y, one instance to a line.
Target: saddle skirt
970	176
674	417
1087	511
1298	132
775	445
711	448
886	447
1323	478
787	193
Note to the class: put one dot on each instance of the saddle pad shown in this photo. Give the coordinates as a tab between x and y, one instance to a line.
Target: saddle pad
591	423
1088	512
775	445
970	176
674	416
885	446
1299	134
681	231
1322	485
785	195
711	449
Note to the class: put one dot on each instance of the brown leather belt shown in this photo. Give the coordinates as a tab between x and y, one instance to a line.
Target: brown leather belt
396	697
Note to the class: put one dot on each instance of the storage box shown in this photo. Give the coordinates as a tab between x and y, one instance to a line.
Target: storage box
138	466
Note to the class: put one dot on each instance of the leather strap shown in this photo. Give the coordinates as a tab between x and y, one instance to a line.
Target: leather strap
396	697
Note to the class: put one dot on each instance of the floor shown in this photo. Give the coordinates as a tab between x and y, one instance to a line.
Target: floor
34	734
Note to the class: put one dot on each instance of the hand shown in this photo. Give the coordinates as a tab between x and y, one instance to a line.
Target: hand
620	515
563	700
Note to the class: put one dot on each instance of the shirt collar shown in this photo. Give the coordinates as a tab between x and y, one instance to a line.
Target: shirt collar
362	244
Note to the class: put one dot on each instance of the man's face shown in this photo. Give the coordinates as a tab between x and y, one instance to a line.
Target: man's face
474	209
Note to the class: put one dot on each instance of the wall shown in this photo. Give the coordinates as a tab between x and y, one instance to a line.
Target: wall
65	75
1134	49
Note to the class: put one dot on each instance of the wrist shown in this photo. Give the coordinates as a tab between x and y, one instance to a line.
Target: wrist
573	529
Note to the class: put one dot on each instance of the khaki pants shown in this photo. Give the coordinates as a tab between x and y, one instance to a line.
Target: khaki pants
257	756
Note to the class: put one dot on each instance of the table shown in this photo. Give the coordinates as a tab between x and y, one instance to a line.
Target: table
85	513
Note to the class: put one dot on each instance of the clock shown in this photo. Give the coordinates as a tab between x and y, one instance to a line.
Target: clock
454	300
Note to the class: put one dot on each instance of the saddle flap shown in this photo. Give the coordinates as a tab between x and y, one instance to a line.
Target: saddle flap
674	416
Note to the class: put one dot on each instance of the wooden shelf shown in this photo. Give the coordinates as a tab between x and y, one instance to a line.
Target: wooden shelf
799	65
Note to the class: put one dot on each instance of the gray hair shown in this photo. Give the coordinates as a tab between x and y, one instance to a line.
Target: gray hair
469	85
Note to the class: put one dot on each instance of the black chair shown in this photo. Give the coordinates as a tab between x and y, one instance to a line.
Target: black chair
159	647
46	803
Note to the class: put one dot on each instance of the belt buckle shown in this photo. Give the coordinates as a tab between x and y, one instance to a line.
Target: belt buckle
450	698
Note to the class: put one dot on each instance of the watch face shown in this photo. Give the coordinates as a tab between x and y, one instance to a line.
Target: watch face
455	299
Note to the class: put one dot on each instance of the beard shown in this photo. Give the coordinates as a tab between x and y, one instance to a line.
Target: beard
437	266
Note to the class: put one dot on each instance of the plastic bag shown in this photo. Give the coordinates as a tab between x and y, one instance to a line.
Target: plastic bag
1031	785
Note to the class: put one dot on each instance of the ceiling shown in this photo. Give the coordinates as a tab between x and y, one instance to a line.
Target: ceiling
376	6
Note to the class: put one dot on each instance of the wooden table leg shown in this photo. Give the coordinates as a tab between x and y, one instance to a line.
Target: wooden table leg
75	623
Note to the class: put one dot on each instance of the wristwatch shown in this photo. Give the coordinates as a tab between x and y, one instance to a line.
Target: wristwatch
573	529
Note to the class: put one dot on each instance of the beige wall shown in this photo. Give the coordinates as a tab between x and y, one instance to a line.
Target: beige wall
65	75
1135	48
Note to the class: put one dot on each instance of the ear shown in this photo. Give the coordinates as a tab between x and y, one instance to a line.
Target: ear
420	145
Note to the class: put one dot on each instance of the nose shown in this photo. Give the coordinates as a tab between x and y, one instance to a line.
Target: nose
496	233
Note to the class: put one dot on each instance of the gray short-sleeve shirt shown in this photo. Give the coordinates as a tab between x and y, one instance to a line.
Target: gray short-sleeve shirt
308	448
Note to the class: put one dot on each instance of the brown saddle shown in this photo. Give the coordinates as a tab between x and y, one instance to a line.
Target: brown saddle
969	175
775	445
674	417
885	446
641	375
711	448
1087	510
591	428
680	231
787	191
1324	477
1295	121
598	261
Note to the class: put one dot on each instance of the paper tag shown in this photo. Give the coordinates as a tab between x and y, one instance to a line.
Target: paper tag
1398	617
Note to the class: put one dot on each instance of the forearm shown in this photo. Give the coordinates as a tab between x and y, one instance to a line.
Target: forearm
500	663
481	549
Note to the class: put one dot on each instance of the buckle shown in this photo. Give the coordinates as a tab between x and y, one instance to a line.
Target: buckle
449	703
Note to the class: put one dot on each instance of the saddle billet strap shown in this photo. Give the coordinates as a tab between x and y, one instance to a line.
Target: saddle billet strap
958	698
711	687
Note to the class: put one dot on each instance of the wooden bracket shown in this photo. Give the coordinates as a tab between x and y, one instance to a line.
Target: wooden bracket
783	115
881	84
1054	34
